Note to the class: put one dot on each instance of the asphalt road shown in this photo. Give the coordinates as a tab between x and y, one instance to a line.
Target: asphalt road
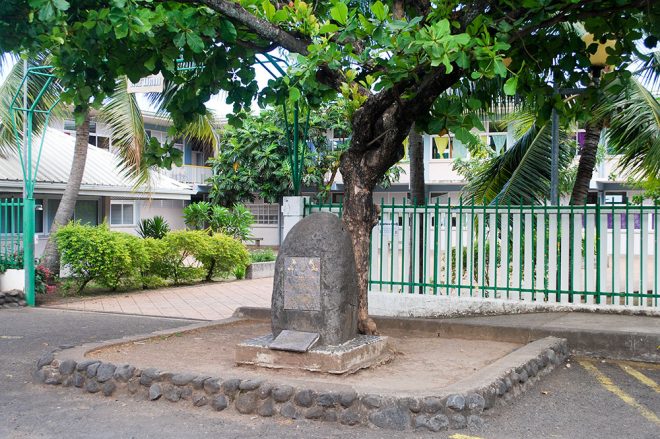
588	400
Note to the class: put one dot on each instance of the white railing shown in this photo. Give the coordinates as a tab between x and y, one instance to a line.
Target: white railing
190	174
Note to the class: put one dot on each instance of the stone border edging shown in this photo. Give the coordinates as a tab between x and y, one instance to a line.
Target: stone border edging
462	405
12	299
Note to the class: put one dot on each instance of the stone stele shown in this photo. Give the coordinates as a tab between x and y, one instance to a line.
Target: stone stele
315	285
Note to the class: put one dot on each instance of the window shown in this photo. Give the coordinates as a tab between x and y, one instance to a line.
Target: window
122	214
86	211
264	213
95	139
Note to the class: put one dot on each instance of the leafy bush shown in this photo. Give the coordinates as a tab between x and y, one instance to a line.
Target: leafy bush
221	255
196	215
156	227
44	282
180	255
95	253
265	255
11	262
235	222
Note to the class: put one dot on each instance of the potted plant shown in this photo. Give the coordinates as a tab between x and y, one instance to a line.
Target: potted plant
12	274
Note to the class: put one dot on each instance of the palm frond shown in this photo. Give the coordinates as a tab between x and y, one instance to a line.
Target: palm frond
521	173
8	90
649	71
124	117
202	131
634	127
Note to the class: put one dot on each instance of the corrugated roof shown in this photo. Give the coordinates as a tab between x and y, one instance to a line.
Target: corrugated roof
101	175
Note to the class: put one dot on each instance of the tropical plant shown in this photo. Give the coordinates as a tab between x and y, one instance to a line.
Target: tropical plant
265	255
235	222
156	227
196	215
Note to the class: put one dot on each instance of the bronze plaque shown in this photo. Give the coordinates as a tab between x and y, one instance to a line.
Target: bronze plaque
302	283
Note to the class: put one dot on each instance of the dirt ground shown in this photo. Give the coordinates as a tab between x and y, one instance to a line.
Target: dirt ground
421	363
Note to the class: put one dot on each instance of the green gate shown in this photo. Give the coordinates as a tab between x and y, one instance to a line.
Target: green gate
11	233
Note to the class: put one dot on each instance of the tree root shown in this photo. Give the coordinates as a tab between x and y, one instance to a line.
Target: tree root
367	326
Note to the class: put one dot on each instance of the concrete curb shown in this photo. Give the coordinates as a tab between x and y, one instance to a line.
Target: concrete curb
625	344
459	406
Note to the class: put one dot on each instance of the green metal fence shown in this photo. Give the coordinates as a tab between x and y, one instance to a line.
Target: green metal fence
11	229
599	254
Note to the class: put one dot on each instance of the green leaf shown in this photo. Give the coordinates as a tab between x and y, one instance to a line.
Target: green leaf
328	28
511	85
339	13
379	10
269	9
294	94
62	5
195	42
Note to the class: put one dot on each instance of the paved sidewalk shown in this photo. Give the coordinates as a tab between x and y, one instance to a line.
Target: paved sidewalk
208	301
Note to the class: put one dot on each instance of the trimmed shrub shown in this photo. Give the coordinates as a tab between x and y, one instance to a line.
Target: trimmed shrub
222	255
94	253
179	255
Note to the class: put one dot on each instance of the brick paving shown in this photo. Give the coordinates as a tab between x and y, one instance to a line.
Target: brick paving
208	301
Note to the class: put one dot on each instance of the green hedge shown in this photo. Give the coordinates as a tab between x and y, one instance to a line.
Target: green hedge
112	259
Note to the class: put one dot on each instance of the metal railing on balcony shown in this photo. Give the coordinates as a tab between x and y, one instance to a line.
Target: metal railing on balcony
190	174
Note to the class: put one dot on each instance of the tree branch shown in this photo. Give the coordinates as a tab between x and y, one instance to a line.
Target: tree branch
264	28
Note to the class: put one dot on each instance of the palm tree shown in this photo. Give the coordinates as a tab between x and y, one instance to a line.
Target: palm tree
122	114
629	112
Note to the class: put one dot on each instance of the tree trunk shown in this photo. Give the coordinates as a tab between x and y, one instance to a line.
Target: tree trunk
360	215
418	194
587	163
51	257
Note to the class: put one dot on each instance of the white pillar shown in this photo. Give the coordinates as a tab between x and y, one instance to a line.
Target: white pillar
293	210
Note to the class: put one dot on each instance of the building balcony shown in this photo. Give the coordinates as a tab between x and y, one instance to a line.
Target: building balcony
190	174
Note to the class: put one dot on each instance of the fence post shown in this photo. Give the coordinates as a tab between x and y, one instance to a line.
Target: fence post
293	210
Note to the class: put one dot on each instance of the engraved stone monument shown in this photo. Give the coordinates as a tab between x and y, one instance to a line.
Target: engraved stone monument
314	304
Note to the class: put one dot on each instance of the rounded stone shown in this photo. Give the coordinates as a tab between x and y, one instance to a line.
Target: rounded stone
438	423
508	383
45	359
533	368
212	386
552	357
500	387
230	387
124	372
349	417
327	399
414	404
264	390
457	421
330	415
249	385
109	388
289	410
105	372
267	409
172	393
92	386
182	379
149	376
67	367
199	400
83	365
475	422
155	391
246	402
186	393
219	403
456	402
315	412
68	381
372	401
53	377
92	368
431	404
198	382
475	402
347	398
305	398
282	393
522	376
391	417
78	379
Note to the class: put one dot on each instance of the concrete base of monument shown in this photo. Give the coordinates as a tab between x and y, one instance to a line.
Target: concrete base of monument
359	353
